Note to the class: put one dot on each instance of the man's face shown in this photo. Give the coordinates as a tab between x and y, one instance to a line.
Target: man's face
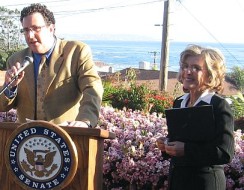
38	35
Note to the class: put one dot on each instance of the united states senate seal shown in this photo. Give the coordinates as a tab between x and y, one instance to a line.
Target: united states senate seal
40	155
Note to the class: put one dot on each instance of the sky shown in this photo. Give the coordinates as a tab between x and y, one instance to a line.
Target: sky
189	20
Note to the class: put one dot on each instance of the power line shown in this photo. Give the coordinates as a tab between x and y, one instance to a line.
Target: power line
240	5
91	10
21	4
82	11
199	22
72	12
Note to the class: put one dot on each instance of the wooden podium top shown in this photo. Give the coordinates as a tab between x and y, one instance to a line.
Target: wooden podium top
95	132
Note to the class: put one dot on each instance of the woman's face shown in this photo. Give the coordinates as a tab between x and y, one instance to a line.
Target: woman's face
194	73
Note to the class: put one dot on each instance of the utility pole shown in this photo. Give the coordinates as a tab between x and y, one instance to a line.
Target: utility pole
163	76
154	58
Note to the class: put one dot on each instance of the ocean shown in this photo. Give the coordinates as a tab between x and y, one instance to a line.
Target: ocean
125	54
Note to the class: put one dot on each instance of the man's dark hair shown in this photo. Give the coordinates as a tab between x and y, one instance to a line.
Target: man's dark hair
38	8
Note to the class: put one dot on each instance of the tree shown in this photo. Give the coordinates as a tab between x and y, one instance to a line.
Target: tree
237	76
10	36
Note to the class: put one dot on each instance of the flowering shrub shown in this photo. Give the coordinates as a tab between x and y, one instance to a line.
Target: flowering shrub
130	95
158	102
132	158
137	97
234	171
237	105
9	116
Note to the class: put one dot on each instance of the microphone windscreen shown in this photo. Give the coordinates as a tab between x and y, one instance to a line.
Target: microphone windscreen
30	59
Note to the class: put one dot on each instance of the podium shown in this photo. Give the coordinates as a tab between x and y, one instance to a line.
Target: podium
89	143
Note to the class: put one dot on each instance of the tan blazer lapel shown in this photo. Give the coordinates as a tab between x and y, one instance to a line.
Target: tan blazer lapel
29	78
55	63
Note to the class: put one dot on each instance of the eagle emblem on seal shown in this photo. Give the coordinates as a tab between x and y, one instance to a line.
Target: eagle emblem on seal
39	162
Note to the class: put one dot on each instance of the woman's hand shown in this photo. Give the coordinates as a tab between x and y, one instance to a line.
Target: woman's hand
160	143
175	148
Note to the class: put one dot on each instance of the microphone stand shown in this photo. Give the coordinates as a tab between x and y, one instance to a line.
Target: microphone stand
7	85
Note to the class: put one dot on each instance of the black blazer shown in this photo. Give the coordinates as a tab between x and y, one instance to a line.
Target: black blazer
221	149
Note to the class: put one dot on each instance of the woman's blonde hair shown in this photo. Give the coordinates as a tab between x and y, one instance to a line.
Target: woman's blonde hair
215	64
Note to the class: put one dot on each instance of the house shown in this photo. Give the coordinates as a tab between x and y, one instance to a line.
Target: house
103	67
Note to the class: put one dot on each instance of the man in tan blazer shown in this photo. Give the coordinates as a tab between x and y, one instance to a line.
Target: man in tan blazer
72	89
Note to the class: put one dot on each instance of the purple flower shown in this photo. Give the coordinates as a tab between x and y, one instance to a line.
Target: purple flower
133	158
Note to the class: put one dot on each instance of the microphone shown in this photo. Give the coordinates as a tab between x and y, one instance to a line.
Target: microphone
27	61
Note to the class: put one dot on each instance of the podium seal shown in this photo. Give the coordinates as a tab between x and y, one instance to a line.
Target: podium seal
41	155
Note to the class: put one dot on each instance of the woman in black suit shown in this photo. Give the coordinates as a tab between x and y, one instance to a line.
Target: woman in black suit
199	166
